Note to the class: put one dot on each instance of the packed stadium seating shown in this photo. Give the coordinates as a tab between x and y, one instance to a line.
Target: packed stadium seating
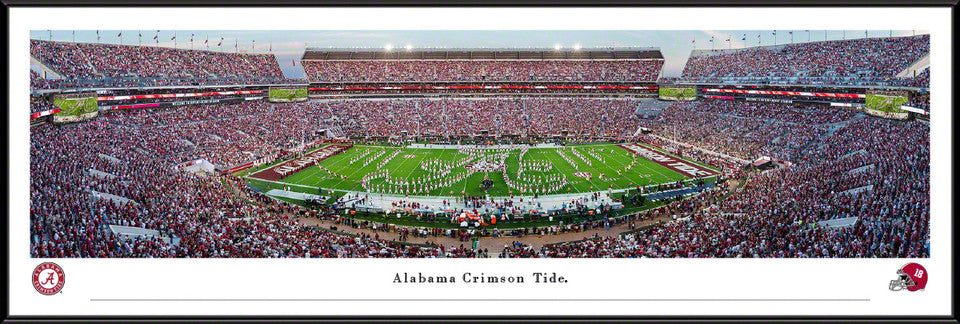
88	65
835	162
922	80
774	214
854	61
770	216
225	134
37	81
920	101
470	71
587	118
38	104
201	211
744	129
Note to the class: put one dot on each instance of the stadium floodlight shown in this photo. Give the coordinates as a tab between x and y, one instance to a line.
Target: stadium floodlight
556	47
576	47
409	47
388	47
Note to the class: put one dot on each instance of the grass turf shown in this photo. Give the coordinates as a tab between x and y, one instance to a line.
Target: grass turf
407	165
307	181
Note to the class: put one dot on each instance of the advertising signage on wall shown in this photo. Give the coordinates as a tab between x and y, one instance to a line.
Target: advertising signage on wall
787	93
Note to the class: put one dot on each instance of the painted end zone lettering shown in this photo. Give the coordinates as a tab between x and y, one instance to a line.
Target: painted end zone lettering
296	165
253	163
669	162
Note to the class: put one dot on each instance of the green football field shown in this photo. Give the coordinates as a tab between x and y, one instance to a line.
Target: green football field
436	172
75	106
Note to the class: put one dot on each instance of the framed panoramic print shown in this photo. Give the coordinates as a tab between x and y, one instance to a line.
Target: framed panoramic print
480	163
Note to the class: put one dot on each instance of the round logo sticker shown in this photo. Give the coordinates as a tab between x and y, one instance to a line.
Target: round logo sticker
48	278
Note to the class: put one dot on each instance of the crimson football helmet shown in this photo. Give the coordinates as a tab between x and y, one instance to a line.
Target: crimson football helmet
912	276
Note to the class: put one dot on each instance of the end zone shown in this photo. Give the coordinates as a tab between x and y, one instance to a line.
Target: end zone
669	161
285	169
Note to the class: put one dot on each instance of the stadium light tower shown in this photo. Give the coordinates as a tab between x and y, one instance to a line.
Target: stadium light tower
409	47
388	47
576	47
556	47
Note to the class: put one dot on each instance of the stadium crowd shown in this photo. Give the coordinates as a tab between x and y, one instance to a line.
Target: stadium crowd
746	130
873	169
37	81
583	118
201	213
129	154
224	134
481	70
89	65
39	103
854	61
920	101
922	80
117	169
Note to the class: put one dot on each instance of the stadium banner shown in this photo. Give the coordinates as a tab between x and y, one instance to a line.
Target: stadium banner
287	94
675	93
886	104
914	110
296	165
719	97
201	102
788	93
131	106
171	103
669	162
44	113
179	95
75	107
769	100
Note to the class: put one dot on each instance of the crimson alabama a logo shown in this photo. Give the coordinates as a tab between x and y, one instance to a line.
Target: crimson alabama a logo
48	278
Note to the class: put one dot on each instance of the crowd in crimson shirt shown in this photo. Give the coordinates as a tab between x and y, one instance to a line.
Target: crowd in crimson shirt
771	216
854	61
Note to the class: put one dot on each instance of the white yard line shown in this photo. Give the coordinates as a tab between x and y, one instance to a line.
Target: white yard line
350	175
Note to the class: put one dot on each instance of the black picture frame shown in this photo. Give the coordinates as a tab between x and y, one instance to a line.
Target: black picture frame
7	318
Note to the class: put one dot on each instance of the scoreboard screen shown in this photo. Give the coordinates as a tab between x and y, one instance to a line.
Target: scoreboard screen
288	94
678	93
886	104
75	107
